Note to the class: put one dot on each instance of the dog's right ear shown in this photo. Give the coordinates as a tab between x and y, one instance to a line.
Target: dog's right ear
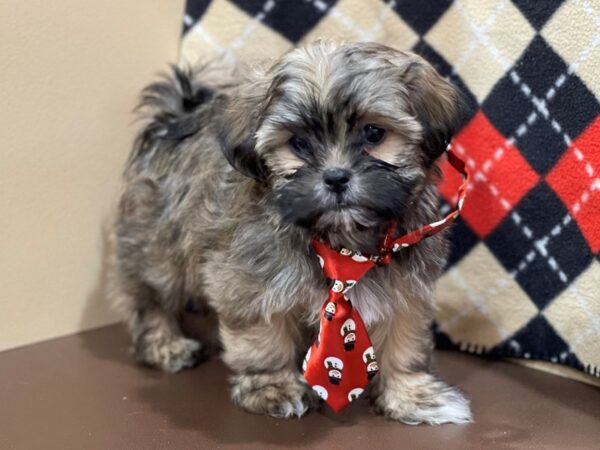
435	102
240	119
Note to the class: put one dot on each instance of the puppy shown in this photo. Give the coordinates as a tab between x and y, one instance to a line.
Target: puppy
235	171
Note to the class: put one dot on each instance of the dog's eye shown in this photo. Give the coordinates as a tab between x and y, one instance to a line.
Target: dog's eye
300	146
373	134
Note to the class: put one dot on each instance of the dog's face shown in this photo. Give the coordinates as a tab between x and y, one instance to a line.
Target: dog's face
343	134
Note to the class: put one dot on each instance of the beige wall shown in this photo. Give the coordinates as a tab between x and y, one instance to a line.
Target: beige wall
70	71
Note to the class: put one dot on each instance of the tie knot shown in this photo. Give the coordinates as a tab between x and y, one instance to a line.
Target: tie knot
342	268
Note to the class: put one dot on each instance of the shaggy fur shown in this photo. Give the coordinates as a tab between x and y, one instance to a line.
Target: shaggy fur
225	189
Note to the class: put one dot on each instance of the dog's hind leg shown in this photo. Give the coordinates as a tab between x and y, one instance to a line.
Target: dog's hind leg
155	330
144	286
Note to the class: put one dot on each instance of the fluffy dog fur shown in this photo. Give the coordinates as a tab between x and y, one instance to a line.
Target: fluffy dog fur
224	191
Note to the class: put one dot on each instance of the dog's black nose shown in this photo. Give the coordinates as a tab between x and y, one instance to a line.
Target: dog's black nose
337	179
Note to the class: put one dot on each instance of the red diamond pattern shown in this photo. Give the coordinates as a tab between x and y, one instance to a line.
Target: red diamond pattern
500	175
576	180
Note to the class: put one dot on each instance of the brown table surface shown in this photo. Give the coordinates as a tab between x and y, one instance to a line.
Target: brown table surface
84	392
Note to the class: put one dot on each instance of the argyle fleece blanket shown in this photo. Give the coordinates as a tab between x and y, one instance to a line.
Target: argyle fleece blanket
523	279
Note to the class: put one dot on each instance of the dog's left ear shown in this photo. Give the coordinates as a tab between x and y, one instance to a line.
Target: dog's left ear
435	102
240	118
244	159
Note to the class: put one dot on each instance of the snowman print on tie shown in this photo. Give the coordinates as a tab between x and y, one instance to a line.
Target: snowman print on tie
348	332
334	366
371	362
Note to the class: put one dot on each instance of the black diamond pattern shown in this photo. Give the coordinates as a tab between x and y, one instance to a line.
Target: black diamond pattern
541	157
462	240
284	16
569	249
194	10
572	107
421	15
536	335
538	11
442	340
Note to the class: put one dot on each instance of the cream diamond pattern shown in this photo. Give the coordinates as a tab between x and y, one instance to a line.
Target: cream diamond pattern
364	20
229	32
470	311
481	40
579	45
575	315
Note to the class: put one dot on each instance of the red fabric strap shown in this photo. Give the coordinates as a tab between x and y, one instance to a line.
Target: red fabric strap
391	245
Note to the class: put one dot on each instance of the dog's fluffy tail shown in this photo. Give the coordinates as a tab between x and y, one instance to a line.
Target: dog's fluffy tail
174	95
169	109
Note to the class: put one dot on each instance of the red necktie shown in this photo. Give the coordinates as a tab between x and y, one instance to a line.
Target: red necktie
341	361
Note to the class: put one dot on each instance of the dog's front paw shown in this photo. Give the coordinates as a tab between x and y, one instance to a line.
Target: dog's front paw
421	398
281	394
171	354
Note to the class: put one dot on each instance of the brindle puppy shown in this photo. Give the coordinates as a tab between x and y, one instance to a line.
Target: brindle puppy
233	174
